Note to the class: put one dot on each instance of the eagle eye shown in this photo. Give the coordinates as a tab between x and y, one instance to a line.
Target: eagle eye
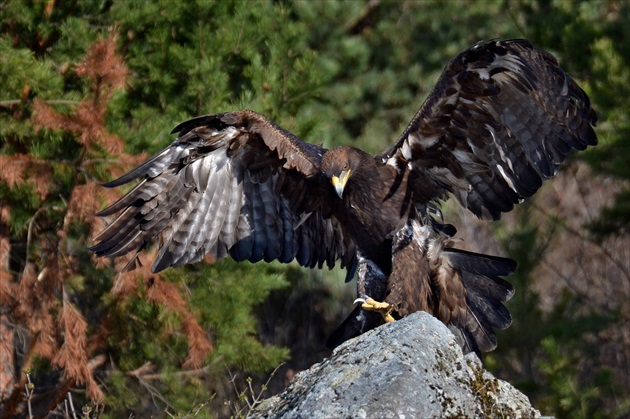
345	167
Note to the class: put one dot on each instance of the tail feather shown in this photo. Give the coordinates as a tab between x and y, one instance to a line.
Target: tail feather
478	263
480	334
492	310
493	286
485	294
465	339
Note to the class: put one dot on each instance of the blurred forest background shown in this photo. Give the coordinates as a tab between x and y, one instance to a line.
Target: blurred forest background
90	88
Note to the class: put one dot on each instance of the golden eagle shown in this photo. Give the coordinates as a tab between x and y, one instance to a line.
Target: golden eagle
501	119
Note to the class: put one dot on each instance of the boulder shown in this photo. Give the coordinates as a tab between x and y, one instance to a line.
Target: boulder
411	368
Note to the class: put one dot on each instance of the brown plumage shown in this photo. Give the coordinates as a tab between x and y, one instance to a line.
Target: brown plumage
462	289
501	119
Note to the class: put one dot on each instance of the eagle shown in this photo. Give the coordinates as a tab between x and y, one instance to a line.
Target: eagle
501	119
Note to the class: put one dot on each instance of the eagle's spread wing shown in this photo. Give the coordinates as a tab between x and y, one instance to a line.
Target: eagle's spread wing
501	119
232	183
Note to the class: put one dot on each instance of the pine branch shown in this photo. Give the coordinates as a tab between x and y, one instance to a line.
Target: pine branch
12	102
169	296
184	373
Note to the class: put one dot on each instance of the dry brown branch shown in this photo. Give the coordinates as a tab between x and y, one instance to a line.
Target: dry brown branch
198	343
168	295
18	169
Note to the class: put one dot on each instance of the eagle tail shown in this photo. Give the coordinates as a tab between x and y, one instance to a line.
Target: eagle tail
468	296
485	294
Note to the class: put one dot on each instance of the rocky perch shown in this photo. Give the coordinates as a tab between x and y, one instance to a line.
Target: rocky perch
412	368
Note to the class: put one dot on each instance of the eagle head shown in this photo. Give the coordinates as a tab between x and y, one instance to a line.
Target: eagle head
338	165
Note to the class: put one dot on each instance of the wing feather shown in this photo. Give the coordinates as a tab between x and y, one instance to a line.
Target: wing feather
175	249
206	219
288	242
232	214
258	216
501	119
232	183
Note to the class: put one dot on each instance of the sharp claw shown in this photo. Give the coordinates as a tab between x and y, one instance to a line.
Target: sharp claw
370	304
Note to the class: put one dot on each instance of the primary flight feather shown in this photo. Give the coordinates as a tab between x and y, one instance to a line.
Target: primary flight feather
501	119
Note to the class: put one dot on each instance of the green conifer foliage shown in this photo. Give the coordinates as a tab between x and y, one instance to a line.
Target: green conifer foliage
82	318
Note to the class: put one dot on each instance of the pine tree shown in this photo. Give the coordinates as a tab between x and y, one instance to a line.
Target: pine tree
77	320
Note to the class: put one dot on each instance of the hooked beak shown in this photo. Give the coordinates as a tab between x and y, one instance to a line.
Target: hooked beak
340	182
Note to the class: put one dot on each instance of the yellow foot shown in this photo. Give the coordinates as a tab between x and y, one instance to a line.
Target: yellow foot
370	304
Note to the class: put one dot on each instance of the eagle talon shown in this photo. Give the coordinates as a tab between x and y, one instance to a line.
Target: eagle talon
370	304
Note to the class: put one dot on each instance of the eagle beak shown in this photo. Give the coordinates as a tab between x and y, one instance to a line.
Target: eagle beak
340	182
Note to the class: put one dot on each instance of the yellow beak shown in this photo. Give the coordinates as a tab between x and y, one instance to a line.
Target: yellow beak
340	182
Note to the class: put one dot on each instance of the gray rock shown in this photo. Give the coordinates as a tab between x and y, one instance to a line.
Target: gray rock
412	368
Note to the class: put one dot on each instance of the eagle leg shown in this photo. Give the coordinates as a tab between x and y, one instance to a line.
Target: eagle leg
385	309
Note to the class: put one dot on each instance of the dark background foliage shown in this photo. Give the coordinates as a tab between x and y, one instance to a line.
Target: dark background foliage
90	88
